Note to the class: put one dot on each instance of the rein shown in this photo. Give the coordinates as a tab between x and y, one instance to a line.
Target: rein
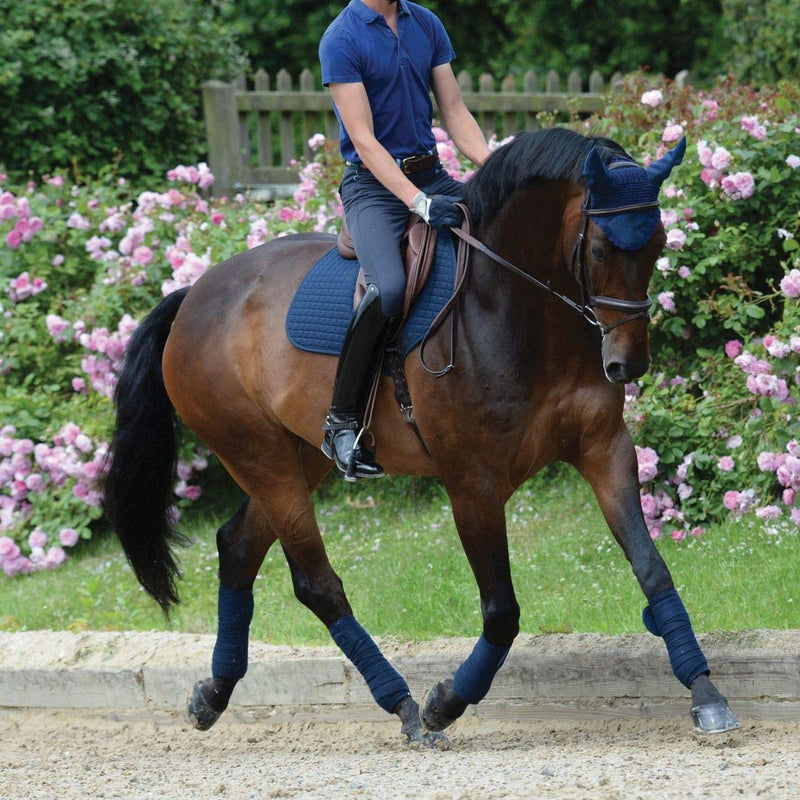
639	308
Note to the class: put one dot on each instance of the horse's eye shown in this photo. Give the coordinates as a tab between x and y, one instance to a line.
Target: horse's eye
599	253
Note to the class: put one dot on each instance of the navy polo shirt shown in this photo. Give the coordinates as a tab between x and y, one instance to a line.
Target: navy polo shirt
359	47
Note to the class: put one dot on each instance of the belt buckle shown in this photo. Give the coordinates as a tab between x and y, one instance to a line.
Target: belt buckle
409	161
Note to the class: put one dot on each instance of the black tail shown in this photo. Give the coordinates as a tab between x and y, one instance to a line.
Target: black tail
143	455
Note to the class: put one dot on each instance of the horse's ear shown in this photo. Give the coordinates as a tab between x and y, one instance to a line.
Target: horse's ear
659	170
594	170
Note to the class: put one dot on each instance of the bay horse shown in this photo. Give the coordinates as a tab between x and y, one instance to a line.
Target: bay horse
535	382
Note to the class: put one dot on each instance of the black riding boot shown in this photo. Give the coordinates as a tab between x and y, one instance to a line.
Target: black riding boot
359	359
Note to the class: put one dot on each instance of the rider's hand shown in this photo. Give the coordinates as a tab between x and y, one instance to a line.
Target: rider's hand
438	210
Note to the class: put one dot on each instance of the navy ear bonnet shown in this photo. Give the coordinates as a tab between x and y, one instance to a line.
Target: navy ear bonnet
622	184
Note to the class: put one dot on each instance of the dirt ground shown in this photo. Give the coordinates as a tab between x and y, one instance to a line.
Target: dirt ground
61	755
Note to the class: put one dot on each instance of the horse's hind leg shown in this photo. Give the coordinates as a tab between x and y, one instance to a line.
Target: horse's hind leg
388	688
610	468
242	544
282	495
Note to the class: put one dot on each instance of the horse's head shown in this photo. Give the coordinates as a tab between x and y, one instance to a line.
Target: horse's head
621	237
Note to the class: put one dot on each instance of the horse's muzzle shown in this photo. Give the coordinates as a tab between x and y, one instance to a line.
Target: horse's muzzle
625	370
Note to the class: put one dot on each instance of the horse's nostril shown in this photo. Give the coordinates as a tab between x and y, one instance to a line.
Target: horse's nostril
625	371
617	372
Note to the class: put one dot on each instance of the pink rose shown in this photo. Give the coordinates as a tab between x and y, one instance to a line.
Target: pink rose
55	557
652	98
649	507
672	133
738	185
8	547
726	464
142	255
790	284
754	127
676	239
704	153
37	538
768	512
666	301
68	537
648	463
721	158
731	500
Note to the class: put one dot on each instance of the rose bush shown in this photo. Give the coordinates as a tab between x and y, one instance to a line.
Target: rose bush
80	264
715	421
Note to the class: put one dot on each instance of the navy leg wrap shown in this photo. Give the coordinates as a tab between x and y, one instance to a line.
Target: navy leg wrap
235	610
666	616
474	677
386	684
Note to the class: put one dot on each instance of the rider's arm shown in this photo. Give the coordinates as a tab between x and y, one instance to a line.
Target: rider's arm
353	105
456	117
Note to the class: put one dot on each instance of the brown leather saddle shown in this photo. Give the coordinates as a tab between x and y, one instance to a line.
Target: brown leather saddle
418	246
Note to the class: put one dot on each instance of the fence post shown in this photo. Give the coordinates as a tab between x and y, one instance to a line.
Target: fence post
683	79
222	133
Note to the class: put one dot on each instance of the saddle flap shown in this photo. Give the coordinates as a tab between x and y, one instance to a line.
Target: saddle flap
418	246
344	241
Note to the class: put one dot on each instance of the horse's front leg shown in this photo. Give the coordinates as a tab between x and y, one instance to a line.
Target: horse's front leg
480	519
611	469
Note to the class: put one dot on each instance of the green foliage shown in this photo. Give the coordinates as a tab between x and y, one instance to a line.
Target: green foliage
724	429
506	36
763	35
733	249
83	82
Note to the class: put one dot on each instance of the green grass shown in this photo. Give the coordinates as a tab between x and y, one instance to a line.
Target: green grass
406	575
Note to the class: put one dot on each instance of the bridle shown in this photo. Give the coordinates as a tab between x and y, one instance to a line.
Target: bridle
589	300
639	309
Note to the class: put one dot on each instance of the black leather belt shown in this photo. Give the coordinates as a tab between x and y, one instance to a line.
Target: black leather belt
410	164
413	164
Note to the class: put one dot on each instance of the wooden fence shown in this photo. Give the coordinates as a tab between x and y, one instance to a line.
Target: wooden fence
255	135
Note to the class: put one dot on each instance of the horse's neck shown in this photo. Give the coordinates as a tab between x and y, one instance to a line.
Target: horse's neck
528	232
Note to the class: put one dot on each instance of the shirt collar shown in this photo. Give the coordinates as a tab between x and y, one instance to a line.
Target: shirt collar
367	15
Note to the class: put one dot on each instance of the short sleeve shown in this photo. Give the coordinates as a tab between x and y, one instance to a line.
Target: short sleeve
443	52
339	60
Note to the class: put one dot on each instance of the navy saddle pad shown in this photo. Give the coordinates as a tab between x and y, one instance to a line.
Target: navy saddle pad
323	304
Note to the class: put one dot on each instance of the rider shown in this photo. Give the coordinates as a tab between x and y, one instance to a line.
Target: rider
380	59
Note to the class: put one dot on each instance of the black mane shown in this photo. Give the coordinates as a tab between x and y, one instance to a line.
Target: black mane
552	154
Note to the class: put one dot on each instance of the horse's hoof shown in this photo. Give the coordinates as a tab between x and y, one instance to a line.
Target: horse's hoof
201	715
415	733
433	740
714	718
437	702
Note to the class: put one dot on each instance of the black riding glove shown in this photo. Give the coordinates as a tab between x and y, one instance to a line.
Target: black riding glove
438	211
